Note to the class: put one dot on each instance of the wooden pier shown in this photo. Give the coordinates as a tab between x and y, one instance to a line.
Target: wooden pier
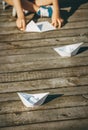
28	63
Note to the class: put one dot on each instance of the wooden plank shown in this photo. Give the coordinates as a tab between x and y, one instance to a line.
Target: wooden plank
68	125
43	43
67	91
43	116
79	24
43	74
54	101
25	63
6	18
54	34
48	54
44	84
5	51
77	15
10	50
4	13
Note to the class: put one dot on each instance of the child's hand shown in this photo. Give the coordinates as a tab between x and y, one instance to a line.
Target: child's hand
20	22
57	21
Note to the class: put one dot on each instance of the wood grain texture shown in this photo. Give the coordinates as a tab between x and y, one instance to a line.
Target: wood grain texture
28	63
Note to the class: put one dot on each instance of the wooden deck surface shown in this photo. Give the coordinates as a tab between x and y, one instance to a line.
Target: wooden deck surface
29	64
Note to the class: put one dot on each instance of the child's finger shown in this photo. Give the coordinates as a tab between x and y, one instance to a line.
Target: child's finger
59	22
22	27
23	24
18	24
54	24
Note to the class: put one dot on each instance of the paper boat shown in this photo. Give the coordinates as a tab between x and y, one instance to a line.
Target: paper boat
30	100
39	27
69	50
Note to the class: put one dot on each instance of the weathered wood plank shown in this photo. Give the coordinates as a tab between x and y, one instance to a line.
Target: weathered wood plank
6	12
43	43
49	50
44	74
15	49
44	84
54	34
80	24
53	102
36	54
67	91
43	116
81	124
34	62
78	15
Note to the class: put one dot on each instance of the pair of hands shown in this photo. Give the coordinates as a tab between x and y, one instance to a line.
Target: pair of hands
56	21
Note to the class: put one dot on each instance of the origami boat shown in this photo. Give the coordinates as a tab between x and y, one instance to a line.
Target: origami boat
30	100
68	50
39	27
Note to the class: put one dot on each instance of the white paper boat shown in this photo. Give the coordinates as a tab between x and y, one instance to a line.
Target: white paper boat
69	50
39	27
30	100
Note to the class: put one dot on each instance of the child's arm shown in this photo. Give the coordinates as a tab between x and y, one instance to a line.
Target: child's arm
56	18
21	19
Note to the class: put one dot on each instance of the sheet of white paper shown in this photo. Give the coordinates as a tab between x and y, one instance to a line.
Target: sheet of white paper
45	26
30	100
39	27
31	27
69	50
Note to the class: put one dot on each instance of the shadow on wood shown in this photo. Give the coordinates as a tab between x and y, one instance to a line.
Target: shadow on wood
52	97
74	5
82	49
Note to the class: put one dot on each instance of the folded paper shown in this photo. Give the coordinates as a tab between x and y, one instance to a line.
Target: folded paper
68	50
30	100
39	27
